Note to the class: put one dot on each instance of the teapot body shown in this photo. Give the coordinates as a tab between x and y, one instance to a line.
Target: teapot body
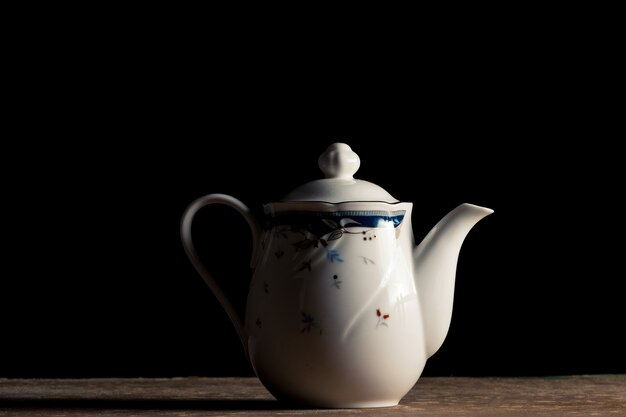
343	310
333	316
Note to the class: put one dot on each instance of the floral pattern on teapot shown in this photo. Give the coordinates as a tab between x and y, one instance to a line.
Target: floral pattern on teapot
299	243
320	229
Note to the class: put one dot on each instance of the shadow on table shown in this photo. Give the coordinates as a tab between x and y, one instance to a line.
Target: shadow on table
144	404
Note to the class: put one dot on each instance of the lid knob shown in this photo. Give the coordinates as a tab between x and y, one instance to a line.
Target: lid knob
339	164
339	161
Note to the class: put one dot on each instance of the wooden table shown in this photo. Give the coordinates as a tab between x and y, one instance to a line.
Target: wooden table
601	395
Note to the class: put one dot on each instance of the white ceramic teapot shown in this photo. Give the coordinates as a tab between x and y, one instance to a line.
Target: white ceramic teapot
343	310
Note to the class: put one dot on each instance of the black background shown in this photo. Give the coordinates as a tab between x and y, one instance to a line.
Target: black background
113	147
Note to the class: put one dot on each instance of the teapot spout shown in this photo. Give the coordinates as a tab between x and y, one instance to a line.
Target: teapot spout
435	270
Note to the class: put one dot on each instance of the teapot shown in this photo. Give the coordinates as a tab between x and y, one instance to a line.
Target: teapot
343	310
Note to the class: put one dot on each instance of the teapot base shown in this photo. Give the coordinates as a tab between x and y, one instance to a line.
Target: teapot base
372	404
365	404
340	404
328	403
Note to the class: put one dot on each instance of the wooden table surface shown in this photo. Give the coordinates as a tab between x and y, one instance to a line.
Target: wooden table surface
597	395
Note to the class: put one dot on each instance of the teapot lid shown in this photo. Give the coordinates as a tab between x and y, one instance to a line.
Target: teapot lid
339	163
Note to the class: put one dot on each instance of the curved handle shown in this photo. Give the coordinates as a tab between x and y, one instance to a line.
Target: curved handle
185	234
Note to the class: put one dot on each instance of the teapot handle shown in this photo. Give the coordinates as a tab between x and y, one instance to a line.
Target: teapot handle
185	234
